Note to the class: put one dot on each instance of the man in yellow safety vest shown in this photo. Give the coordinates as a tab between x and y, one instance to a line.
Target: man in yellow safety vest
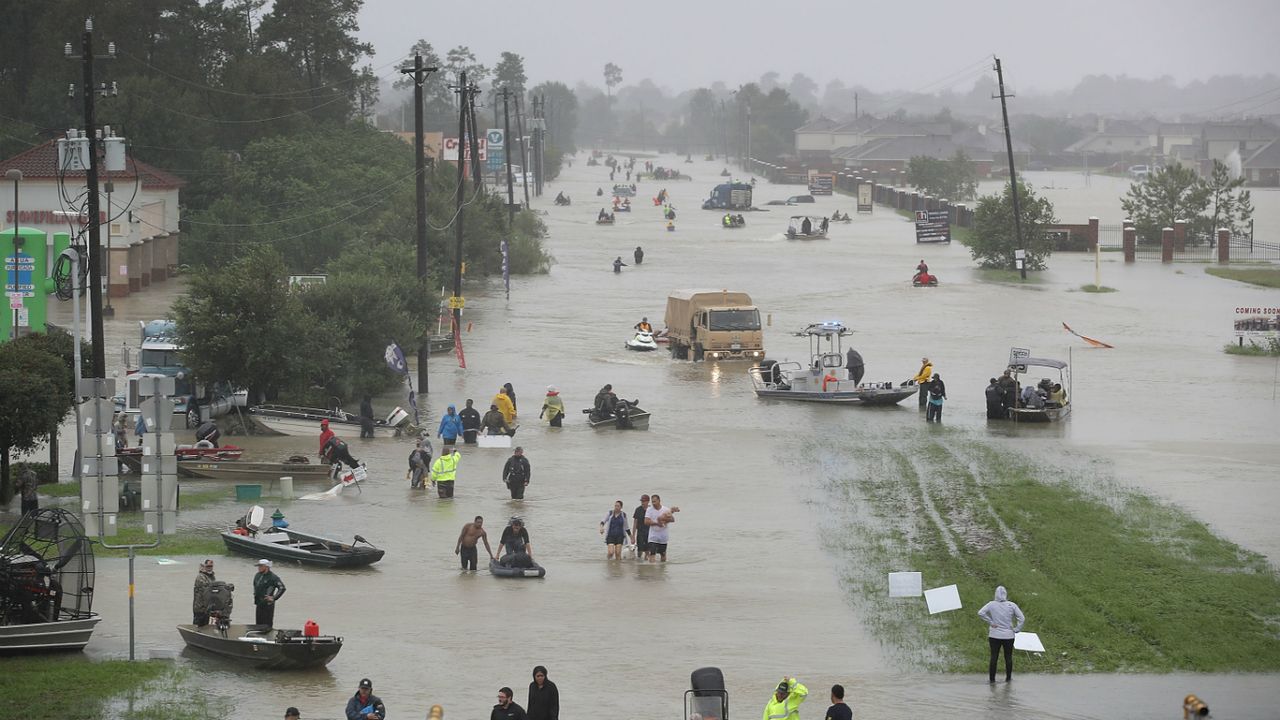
785	703
444	471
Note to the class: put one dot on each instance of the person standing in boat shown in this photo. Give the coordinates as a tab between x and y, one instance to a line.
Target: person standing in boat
515	547
855	366
553	407
517	473
366	417
1009	390
922	379
267	591
450	426
200	597
470	422
606	403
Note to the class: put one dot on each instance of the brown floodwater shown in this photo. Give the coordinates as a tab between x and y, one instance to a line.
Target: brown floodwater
751	587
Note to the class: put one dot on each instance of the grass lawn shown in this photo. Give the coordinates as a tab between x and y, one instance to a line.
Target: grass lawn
1264	276
1112	581
186	542
1005	275
1091	288
1252	348
69	685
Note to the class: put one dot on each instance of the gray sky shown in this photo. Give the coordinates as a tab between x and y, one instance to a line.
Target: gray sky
1045	44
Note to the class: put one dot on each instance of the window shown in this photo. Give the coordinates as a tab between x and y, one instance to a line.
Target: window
735	320
158	358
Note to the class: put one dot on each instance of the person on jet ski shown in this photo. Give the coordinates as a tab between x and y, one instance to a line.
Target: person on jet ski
561	199
740	220
606	403
728	220
514	547
644	326
603	215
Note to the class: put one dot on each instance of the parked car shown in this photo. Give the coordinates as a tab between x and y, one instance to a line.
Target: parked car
1138	172
795	199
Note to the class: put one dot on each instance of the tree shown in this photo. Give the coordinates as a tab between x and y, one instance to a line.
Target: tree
774	119
243	325
35	395
700	118
318	41
994	241
612	78
437	98
953	179
1172	193
561	112
461	58
509	73
1232	207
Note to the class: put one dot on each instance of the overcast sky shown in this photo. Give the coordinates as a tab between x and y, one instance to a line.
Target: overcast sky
1045	44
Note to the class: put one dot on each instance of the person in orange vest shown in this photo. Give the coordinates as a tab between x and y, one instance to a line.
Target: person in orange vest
830	377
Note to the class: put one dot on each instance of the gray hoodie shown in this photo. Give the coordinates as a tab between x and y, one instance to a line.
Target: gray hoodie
1000	614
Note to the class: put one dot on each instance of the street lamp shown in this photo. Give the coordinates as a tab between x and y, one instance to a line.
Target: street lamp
15	175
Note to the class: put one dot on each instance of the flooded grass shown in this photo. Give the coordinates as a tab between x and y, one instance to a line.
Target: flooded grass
1112	580
187	541
1270	347
1265	277
1003	275
1091	288
63	686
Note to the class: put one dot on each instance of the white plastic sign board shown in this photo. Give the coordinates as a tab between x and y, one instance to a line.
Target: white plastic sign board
905	584
942	599
1028	641
493	441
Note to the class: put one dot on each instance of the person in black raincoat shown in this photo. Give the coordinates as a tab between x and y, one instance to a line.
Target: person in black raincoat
544	697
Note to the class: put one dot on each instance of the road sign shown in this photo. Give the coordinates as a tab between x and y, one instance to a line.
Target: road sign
25	268
933	226
15	302
1017	354
495	138
456	302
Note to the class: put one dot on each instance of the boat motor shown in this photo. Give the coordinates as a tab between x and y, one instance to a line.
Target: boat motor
708	700
1193	706
220	602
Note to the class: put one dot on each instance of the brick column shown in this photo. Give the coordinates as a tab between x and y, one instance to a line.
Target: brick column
1130	244
1224	246
1166	245
1180	235
1093	234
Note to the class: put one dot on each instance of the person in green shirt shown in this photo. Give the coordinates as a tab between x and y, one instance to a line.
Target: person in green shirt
267	589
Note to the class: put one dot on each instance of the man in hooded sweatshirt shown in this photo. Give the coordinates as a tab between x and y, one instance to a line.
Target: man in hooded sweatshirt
544	697
1004	619
450	426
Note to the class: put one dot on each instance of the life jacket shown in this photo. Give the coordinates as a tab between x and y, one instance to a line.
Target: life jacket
829	378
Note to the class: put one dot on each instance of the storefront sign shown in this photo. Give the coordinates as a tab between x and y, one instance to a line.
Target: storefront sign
1257	321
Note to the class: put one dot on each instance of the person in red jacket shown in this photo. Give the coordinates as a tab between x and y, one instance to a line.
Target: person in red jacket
325	434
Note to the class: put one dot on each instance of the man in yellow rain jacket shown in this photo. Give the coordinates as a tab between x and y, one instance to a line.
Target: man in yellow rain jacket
505	406
444	471
923	378
785	703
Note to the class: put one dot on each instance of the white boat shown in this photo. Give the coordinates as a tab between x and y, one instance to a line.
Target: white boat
642	341
803	227
1050	411
824	379
304	421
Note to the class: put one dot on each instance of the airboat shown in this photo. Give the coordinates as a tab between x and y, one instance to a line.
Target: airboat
824	379
46	584
803	227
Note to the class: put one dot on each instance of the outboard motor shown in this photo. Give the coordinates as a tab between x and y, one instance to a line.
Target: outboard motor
623	412
708	699
220	603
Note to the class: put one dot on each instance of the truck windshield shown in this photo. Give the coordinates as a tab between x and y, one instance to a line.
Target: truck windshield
734	320
158	358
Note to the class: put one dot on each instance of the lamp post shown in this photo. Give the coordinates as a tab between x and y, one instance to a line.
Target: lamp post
15	175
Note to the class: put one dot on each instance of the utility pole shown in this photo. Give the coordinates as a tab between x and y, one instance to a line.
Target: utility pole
539	130
524	153
86	59
748	165
419	72
724	129
464	90
1013	175
855	104
474	139
506	131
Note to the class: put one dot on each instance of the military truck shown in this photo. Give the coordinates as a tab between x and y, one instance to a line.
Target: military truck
713	325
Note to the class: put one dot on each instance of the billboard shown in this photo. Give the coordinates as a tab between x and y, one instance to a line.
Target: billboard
495	147
1256	322
933	226
821	183
864	198
450	148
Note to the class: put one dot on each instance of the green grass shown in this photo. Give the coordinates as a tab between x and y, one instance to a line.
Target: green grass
1091	288
190	499
1005	275
72	686
1268	348
185	542
1111	580
1266	277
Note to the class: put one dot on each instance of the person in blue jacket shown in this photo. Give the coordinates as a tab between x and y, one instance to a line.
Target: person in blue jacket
450	426
364	705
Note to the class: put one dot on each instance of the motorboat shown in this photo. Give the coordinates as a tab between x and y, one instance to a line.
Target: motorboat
824	379
642	341
803	227
263	648
131	457
282	543
1042	411
604	220
563	200
305	421
437	344
627	416
624	206
46	584
733	222
500	570
924	279
624	191
298	467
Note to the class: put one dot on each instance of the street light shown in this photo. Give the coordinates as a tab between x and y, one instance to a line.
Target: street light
15	175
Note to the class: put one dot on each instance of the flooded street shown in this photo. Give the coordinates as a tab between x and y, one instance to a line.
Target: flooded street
751	586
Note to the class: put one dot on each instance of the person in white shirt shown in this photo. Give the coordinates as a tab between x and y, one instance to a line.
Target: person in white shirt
657	518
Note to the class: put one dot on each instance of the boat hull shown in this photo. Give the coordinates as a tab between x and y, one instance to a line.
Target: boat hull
639	421
262	650
502	571
876	397
293	552
305	422
47	637
1039	415
237	469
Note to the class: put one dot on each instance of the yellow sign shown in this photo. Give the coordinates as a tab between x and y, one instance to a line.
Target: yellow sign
456	302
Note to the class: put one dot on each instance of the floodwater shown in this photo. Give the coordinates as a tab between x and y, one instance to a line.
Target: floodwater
751	586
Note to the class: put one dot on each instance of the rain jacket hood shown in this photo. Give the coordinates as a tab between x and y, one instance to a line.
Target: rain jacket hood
1001	594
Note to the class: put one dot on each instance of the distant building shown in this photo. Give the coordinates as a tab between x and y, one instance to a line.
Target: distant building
888	156
1219	139
1116	137
1262	168
139	228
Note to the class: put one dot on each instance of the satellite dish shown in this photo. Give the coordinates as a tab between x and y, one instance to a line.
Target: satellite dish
256	516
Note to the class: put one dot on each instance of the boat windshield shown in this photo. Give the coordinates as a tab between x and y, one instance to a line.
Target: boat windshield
734	320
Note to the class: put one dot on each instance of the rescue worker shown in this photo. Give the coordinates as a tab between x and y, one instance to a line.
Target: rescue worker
325	435
922	378
644	326
505	405
995	401
444	471
200	597
495	423
1009	387
267	589
806	227
786	700
470	422
450	426
336	452
618	264
517	473
727	220
638	255
553	407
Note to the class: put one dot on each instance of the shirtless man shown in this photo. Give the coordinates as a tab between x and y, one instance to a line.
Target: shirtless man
472	533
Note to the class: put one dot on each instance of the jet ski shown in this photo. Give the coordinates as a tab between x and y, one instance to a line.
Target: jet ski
923	279
642	341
